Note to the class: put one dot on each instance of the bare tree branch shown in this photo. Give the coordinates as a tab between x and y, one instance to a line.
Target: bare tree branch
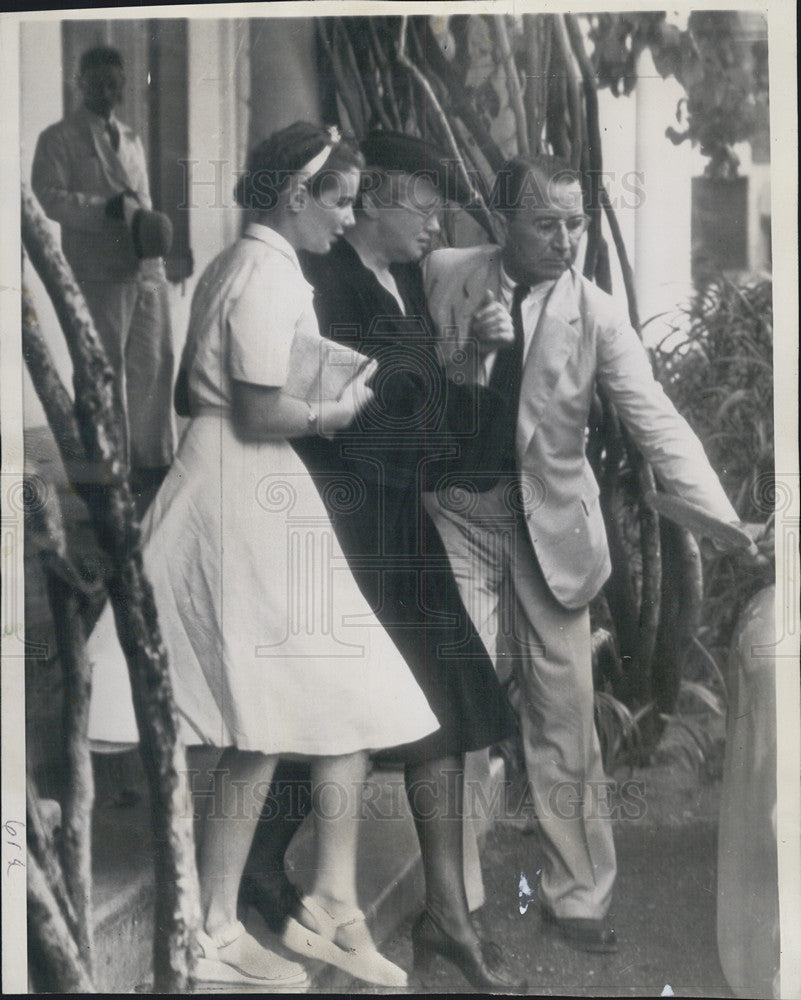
346	93
574	106
386	74
41	847
54	959
112	511
513	84
439	114
76	826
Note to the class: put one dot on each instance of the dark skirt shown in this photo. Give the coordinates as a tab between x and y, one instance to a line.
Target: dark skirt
398	560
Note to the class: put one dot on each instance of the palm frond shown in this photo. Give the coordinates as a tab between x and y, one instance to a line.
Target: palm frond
704	694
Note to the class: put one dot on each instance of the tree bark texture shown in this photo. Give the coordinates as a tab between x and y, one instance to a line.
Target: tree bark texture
513	84
76	827
113	515
41	846
53	956
436	109
682	594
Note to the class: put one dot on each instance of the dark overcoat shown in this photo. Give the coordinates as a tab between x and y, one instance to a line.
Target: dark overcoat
422	431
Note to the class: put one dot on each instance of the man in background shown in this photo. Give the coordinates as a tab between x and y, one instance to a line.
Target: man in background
90	176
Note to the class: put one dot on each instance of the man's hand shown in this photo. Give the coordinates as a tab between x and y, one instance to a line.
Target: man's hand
761	552
491	325
123	206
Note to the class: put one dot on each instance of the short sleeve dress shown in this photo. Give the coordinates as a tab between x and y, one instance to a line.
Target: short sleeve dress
272	646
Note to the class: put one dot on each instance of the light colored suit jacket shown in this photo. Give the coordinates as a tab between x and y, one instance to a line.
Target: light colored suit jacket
581	337
75	172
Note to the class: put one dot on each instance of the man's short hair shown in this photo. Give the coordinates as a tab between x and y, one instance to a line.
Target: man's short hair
101	55
524	181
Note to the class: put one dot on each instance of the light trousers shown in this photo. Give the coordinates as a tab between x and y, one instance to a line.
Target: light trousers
132	319
544	649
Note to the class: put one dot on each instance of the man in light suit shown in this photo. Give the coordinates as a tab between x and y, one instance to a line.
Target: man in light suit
90	176
532	552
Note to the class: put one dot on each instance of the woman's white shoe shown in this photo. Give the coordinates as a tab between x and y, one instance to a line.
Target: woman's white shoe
234	957
345	944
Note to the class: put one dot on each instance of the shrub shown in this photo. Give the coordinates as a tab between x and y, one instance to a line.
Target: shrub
717	366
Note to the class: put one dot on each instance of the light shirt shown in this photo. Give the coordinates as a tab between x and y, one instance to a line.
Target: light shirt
530	309
249	304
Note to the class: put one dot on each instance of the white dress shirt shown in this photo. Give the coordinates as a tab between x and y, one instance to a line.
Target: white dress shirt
531	310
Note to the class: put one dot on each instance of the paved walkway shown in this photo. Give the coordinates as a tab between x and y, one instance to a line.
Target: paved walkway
664	906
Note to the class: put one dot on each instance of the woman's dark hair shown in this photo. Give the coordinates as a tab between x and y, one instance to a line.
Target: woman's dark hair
273	162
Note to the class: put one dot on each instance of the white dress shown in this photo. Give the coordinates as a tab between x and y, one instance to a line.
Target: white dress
271	644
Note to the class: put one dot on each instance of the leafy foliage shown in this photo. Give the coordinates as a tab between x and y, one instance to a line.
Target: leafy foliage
720	376
722	74
694	733
618	729
717	366
618	41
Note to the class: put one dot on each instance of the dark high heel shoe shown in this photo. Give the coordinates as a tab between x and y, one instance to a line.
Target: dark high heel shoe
428	940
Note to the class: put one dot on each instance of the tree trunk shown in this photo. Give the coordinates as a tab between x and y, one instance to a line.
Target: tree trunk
53	956
65	606
113	515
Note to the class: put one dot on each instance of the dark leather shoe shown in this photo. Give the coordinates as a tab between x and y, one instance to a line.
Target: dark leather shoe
273	898
490	950
428	940
584	933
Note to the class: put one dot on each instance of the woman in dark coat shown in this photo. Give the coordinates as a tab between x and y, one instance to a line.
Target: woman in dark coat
420	431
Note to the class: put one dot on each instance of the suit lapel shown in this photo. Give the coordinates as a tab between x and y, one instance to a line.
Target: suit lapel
112	166
470	289
557	336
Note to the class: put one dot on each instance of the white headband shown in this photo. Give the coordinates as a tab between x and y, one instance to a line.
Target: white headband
317	162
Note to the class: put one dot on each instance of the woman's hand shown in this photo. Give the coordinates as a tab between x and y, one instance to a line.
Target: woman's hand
335	415
264	413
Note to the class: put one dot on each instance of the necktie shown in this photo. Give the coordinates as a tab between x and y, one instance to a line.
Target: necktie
507	374
113	134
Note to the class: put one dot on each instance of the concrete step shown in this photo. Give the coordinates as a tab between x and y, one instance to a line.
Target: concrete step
390	879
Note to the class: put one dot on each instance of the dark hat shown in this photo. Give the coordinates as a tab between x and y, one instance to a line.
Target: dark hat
397	151
152	234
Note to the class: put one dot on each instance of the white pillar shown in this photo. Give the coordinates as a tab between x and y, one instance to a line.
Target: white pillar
213	148
217	67
617	118
285	84
662	223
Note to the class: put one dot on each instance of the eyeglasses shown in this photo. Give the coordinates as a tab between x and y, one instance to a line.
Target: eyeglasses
425	214
547	226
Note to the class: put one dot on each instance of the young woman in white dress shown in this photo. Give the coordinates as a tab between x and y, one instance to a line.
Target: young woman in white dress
273	650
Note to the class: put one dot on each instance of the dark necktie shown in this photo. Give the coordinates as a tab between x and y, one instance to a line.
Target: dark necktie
507	374
113	134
